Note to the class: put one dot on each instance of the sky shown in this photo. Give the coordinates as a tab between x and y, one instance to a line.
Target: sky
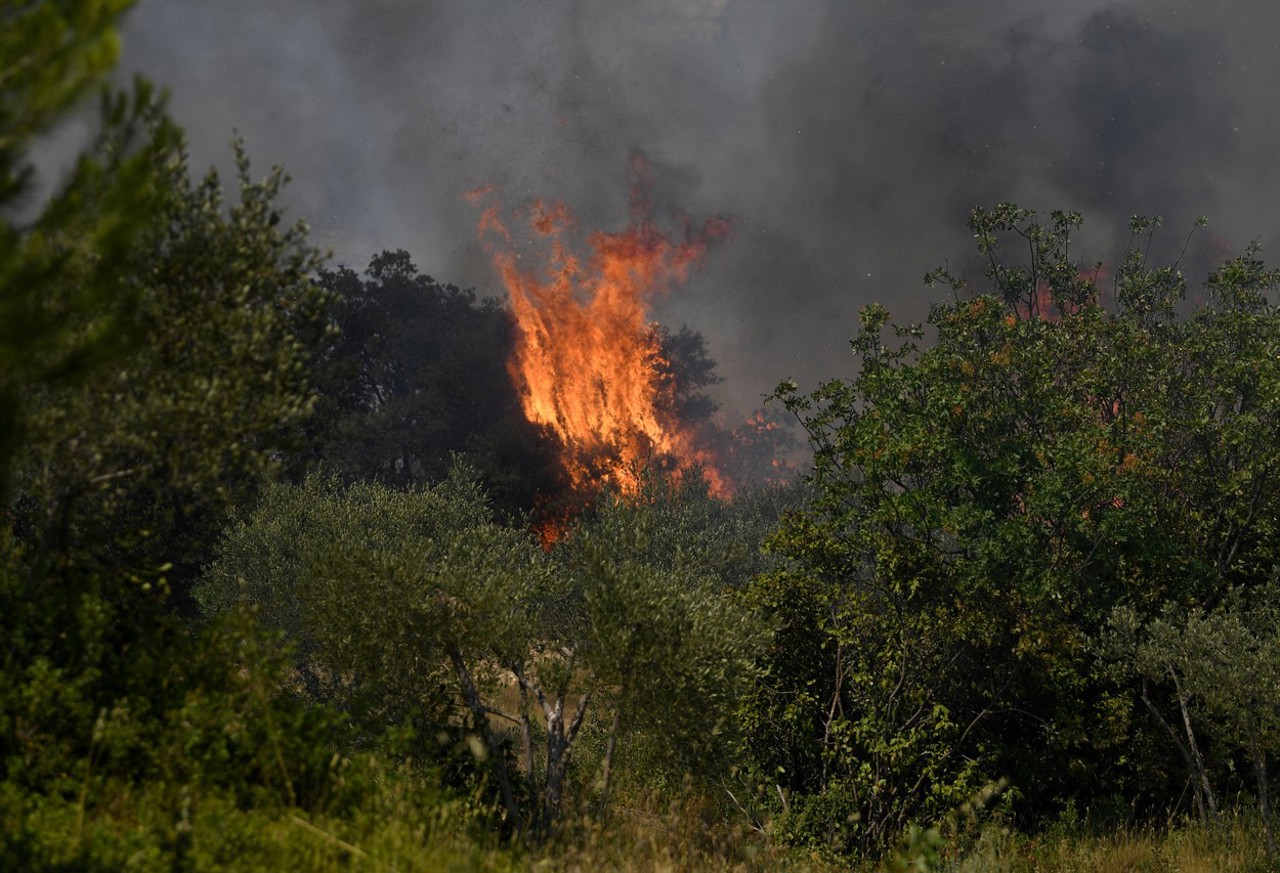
848	139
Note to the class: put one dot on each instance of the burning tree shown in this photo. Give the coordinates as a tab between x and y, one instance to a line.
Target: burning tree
588	363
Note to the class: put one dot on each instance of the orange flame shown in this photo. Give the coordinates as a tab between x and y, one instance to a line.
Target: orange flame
1044	304
588	363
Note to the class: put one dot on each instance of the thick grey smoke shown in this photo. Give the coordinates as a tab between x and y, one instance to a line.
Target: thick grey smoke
848	139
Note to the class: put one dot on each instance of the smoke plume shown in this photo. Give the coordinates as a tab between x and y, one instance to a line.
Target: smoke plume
848	139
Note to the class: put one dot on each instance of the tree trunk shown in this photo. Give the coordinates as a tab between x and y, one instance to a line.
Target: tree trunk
526	729
557	752
1199	781
1194	748
560	738
472	698
1259	755
607	768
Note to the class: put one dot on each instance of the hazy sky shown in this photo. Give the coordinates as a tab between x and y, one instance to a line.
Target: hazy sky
848	139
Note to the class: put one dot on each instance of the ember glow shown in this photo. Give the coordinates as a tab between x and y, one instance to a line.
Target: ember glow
588	363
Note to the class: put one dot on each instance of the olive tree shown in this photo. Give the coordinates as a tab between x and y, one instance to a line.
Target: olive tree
395	596
1218	672
673	644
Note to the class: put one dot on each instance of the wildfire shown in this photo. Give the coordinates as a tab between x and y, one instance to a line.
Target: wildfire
588	363
1047	306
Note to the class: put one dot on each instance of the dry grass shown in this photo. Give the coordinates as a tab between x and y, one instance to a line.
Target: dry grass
1234	845
686	837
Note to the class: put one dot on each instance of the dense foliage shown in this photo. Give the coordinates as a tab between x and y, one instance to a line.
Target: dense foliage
982	507
66	304
1032	571
135	465
416	372
406	602
153	370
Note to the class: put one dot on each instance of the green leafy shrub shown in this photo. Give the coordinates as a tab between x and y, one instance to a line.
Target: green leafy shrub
981	505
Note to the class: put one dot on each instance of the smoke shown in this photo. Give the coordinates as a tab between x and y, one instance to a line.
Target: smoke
848	139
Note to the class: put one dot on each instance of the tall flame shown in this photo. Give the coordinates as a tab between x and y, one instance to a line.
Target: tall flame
588	363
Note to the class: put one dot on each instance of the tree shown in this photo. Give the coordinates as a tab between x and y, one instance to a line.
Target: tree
146	363
144	456
64	304
417	372
672	642
404	593
1221	669
981	505
688	366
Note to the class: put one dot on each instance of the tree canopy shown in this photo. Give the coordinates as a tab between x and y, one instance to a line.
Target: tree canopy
65	305
1064	447
396	595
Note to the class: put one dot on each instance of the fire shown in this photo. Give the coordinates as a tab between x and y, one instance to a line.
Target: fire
1045	305
588	363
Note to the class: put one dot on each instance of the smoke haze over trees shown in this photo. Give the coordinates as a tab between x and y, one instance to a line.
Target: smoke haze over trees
837	134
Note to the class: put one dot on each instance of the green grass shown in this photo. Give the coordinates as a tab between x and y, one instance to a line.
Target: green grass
1233	845
407	830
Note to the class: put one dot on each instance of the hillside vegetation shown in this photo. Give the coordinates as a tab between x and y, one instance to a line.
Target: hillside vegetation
273	595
